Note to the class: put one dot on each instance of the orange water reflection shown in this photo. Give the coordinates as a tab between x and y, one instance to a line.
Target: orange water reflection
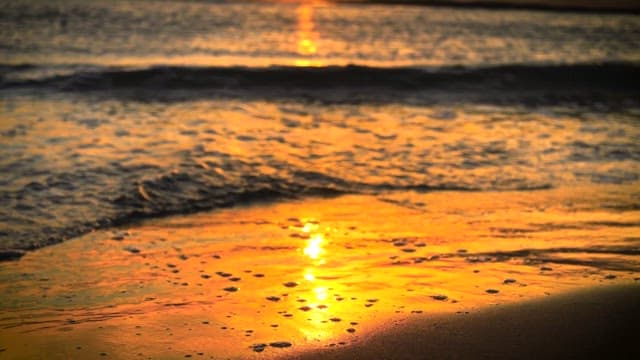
311	273
307	36
319	304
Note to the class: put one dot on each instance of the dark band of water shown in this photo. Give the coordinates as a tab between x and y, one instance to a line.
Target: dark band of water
619	76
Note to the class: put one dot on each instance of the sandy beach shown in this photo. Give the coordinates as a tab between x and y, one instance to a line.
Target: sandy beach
596	323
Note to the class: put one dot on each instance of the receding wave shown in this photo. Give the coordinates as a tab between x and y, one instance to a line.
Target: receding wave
576	77
168	194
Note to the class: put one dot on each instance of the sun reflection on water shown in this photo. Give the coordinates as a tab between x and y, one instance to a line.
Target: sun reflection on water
308	275
314	247
309	227
307	36
321	293
321	306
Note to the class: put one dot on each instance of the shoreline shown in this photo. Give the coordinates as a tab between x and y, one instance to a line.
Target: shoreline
587	323
319	276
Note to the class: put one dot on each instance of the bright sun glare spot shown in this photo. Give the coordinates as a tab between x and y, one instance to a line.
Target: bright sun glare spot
309	227
314	246
309	276
307	47
321	293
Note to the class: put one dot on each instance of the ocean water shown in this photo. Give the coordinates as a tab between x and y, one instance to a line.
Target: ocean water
113	111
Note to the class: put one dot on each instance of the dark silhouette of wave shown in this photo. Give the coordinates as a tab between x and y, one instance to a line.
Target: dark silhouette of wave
621	76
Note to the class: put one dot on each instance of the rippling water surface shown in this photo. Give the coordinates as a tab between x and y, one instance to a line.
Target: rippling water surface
241	33
75	163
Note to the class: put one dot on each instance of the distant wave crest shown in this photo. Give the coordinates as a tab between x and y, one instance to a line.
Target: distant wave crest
591	76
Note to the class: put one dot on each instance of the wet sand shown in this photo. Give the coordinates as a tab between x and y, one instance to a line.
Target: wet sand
398	273
598	323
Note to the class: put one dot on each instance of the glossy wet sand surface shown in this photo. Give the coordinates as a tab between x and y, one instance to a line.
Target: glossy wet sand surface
597	323
276	279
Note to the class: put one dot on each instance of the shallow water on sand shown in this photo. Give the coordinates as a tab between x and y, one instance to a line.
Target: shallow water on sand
310	273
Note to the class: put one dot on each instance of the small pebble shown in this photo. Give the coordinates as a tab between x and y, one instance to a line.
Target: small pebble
351	330
280	344
439	297
492	291
273	298
131	249
509	281
290	284
231	289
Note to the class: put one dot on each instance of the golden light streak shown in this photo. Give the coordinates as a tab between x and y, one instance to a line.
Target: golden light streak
309	227
306	34
314	247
